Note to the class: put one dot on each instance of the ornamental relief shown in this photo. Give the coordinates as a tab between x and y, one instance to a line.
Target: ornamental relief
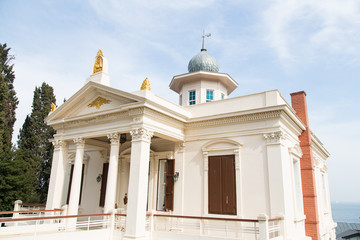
230	120
274	137
58	144
97	119
141	134
98	102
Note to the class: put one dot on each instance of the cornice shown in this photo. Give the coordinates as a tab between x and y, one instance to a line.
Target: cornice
235	119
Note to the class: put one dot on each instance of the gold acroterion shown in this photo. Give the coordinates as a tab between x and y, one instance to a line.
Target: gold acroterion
53	107
98	102
98	65
99	53
146	85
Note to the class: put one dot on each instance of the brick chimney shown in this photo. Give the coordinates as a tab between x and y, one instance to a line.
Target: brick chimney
298	102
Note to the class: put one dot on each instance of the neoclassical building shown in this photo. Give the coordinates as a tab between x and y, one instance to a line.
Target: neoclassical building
211	155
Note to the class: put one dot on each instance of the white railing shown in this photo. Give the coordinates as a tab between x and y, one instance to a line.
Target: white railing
208	226
51	224
234	228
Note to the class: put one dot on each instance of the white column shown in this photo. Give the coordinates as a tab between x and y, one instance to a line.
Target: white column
57	175
138	183
111	185
76	178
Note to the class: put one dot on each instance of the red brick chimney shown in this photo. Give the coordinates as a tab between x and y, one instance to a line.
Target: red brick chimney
298	102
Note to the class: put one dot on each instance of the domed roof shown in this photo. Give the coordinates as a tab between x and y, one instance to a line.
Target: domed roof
203	61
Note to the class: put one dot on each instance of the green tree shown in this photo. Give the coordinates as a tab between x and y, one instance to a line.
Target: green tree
8	105
34	148
8	99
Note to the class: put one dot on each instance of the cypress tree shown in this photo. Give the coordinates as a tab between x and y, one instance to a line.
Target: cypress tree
34	146
8	99
8	104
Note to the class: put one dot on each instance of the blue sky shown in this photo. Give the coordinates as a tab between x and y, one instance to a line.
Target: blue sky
275	44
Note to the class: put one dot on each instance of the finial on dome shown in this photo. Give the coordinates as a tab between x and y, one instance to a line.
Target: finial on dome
145	85
98	65
203	40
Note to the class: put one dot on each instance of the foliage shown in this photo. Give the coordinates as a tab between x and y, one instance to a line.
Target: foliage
8	104
34	147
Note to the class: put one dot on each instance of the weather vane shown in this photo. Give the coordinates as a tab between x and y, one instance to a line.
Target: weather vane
203	41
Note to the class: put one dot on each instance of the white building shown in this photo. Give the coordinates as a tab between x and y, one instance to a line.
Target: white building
210	156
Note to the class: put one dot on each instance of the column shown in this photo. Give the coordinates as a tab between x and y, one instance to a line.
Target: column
138	183
76	178
111	185
57	175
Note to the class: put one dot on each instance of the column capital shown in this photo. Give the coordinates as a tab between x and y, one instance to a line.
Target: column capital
58	144
79	141
114	137
141	134
274	137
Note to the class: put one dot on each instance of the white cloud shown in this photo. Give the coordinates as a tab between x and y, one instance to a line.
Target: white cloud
296	28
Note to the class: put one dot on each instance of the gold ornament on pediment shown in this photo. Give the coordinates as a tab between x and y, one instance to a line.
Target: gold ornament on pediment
53	107
98	65
100	53
146	85
98	102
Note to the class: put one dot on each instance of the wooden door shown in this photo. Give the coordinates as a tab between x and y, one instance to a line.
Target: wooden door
222	185
103	184
169	187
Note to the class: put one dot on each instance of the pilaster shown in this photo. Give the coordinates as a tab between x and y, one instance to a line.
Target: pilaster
279	173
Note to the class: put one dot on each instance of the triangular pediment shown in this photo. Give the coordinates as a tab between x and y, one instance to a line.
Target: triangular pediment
93	99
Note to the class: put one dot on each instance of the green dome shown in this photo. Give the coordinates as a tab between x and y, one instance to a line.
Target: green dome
203	61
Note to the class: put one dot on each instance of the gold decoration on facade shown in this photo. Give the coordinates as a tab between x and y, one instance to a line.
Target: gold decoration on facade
146	85
98	65
53	107
98	102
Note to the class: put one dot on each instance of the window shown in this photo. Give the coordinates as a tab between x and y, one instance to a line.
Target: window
222	96
222	189
165	198
209	95
103	184
297	187
192	97
180	99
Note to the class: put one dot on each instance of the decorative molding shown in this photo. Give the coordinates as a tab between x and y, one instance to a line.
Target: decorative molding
110	116
237	159
79	141
296	151
71	158
206	161
114	138
136	111
274	137
229	120
58	144
141	134
181	147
